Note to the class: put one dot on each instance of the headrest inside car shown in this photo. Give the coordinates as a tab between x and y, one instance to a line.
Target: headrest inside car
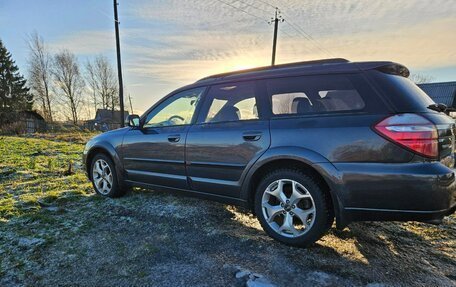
301	105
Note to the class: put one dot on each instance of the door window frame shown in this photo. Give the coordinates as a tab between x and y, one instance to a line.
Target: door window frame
261	105
161	101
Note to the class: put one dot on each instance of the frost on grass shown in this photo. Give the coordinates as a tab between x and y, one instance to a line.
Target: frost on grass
55	231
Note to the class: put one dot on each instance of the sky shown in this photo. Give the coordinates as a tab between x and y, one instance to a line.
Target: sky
166	44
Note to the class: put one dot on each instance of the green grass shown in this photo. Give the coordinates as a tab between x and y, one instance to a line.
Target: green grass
40	201
33	174
36	193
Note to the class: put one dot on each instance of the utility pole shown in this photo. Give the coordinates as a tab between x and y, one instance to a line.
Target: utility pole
119	65
131	106
277	18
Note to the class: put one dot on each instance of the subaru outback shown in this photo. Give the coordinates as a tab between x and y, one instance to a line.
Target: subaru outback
299	144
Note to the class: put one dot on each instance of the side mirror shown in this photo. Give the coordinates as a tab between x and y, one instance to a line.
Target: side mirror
132	121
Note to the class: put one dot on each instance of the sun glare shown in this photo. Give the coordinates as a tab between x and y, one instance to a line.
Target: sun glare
243	64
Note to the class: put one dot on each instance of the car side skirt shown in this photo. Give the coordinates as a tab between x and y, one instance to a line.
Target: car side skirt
192	193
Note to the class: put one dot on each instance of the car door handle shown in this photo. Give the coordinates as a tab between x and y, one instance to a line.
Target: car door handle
174	138
251	136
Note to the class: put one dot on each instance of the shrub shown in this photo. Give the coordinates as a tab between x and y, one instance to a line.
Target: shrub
14	128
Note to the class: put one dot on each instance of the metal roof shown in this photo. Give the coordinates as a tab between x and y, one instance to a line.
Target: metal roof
105	115
444	93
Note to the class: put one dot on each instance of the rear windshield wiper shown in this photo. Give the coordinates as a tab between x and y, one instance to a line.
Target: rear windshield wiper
441	108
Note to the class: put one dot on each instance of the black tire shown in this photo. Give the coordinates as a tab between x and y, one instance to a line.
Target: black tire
324	216
116	190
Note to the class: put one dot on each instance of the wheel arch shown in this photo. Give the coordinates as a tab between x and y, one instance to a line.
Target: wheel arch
109	151
310	162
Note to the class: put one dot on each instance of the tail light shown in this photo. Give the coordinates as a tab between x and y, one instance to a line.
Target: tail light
411	131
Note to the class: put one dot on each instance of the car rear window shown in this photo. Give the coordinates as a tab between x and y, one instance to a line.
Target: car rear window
405	95
314	94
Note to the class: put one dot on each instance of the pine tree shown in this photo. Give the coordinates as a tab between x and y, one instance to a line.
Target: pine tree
14	94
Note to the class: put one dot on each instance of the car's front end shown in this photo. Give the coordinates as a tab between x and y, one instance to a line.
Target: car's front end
109	143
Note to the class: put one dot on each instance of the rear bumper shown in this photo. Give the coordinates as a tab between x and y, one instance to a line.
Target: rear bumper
399	192
364	214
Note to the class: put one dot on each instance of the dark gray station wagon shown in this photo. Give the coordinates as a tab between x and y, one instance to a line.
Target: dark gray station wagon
299	144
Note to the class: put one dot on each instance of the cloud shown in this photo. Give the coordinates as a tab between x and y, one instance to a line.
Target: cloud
323	18
192	13
180	40
184	58
424	45
166	44
86	42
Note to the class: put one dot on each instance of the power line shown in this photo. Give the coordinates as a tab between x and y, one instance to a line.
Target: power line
269	4
286	33
300	30
306	35
253	6
310	38
295	27
277	18
242	10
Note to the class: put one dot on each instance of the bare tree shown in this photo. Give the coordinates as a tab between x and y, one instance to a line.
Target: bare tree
69	82
92	82
103	83
40	74
421	78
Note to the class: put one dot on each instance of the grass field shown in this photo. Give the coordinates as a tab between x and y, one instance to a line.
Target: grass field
55	230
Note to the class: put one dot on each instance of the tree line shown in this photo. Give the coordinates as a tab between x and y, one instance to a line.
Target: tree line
57	84
14	93
60	80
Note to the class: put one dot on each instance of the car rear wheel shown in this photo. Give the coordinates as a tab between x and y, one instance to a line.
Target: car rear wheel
104	177
292	207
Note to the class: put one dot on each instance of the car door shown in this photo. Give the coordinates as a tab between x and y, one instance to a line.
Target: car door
227	139
154	152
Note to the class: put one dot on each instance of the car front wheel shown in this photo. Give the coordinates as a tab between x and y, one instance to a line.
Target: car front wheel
292	207
104	177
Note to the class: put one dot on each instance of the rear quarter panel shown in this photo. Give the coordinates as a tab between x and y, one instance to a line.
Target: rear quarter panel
338	138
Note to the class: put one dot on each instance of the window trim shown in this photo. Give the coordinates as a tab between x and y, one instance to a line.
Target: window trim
162	100
228	122
270	114
327	114
203	114
318	113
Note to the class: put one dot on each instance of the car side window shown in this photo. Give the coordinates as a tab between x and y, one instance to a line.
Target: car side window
176	110
230	102
314	94
286	103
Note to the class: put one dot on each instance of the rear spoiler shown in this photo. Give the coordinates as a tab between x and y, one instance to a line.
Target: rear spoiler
391	68
394	69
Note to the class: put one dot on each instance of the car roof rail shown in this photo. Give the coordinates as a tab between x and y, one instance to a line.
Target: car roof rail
281	66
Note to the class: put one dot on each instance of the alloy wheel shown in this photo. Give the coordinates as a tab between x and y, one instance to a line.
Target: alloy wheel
288	208
102	176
